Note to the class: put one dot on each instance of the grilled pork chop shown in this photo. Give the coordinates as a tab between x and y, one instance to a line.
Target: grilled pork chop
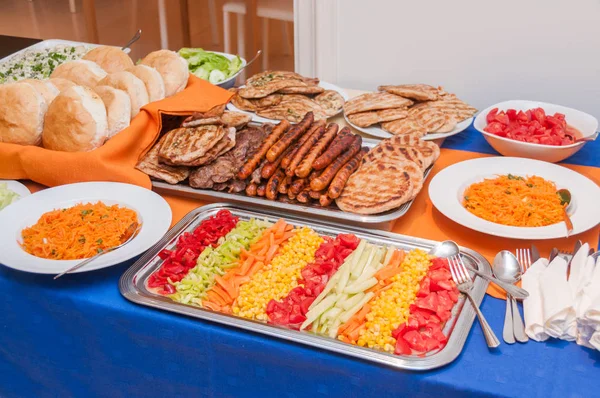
149	164
183	146
262	78
293	107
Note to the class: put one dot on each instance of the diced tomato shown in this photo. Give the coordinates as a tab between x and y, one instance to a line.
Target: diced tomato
502	118
491	116
415	341
402	347
424	288
431	344
348	240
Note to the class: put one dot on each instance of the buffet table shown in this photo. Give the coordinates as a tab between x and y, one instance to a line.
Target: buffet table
77	336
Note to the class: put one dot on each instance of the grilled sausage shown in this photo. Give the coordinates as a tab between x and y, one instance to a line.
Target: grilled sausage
285	185
273	184
303	197
255	159
261	190
303	150
288	138
341	178
327	175
298	185
315	194
290	155
251	189
325	200
305	166
339	145
291	196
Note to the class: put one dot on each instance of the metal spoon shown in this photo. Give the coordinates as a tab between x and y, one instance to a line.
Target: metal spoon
249	62
586	139
135	38
130	233
507	268
449	248
565	198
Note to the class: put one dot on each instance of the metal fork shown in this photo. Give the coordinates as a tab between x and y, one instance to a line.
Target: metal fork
524	260
463	280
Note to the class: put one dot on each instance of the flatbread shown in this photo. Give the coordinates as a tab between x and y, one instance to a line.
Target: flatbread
331	101
375	101
293	107
448	126
262	78
269	87
375	188
430	151
406	126
430	118
419	92
235	119
452	106
389	151
252	105
224	145
150	165
305	90
366	119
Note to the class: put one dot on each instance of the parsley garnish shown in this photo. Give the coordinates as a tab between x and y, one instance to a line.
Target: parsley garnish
99	241
99	250
86	212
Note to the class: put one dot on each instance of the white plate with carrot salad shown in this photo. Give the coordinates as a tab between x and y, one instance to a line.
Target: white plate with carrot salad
515	197
54	229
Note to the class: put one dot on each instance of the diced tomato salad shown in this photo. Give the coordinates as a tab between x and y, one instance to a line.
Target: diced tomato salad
532	126
179	261
291	310
429	313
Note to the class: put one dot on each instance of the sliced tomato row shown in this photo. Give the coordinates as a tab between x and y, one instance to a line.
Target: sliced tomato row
178	262
291	310
429	313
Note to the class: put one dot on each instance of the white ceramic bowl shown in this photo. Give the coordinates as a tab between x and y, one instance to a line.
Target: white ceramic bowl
226	84
585	123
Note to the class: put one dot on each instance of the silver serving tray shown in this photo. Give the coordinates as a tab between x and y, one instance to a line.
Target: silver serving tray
384	221
133	287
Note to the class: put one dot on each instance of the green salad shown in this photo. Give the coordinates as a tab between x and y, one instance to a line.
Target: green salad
210	66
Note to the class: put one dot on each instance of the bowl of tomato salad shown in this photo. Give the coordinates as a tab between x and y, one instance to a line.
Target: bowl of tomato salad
535	130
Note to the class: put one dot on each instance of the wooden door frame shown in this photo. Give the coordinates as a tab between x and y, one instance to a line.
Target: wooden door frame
316	38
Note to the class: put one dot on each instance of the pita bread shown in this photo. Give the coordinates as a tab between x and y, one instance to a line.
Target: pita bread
268	88
366	119
431	119
293	107
375	188
407	126
375	101
419	92
306	90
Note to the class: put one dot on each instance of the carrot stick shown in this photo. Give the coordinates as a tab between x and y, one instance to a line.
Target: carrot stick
226	286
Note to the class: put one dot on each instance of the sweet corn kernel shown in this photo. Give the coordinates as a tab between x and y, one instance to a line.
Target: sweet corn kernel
391	307
279	277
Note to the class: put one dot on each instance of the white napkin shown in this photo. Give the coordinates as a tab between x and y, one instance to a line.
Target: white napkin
578	262
595	341
557	301
532	305
588	310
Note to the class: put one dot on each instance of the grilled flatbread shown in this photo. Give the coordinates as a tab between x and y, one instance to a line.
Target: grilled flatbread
306	90
235	119
430	118
269	87
430	151
449	125
407	126
293	107
375	188
171	174
252	105
405	139
262	78
389	151
415	173
331	101
419	92
375	101
184	145
452	106
366	119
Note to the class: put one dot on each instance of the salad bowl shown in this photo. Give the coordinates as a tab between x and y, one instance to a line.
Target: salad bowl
210	66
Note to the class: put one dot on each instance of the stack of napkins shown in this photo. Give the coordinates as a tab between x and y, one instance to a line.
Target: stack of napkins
562	307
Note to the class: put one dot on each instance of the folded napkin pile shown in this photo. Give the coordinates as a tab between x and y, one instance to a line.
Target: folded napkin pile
561	306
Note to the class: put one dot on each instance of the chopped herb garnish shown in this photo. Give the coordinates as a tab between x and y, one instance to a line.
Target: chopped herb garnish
99	241
86	212
512	177
99	250
507	192
466	198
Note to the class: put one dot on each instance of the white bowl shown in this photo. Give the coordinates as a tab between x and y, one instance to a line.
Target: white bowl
226	84
585	123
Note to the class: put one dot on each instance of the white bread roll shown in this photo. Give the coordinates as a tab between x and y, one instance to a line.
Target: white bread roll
118	108
152	79
133	86
61	84
111	59
172	67
44	87
75	121
81	72
21	114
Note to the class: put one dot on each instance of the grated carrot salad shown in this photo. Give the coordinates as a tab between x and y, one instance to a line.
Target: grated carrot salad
515	201
81	231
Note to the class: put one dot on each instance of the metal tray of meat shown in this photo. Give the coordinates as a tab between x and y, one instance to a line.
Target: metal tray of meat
133	286
383	221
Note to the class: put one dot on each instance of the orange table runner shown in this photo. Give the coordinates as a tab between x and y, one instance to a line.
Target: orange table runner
424	221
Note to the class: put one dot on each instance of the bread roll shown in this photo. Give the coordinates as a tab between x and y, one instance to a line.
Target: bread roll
172	67
111	59
152	79
61	84
21	114
44	87
118	108
81	72
75	121
133	86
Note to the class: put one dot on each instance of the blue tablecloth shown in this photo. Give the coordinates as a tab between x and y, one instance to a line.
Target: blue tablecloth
79	337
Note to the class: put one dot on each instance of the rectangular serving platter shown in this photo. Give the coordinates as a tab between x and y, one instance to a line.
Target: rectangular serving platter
133	287
383	221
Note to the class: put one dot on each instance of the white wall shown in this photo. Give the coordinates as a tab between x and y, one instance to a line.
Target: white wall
483	51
